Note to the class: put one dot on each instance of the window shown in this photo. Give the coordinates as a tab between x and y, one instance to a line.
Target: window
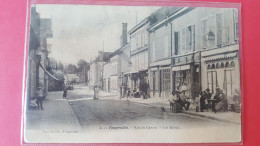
217	66
212	80
219	24
146	38
204	25
232	64
213	66
176	43
133	43
229	81
188	39
236	32
209	66
227	65
222	65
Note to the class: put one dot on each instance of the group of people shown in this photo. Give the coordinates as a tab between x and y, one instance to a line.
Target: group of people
217	103
143	91
179	100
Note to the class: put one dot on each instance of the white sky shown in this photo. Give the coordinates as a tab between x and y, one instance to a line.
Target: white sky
79	30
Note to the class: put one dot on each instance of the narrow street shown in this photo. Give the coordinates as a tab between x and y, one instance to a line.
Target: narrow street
82	119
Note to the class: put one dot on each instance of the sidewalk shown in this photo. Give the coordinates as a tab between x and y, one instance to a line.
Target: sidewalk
57	115
230	117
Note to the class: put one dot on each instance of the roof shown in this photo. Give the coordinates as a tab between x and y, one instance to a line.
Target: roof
156	17
169	14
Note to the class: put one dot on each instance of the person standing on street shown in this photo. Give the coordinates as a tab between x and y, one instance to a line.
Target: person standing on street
39	100
65	93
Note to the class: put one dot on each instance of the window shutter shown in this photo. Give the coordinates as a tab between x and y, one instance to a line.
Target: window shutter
219	23
188	40
193	37
154	48
236	32
226	22
183	41
204	25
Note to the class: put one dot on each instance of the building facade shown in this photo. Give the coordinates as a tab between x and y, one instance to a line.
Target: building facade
160	52
95	73
198	48
118	65
37	78
139	42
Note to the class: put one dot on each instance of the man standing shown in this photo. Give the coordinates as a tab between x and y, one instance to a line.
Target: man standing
64	93
39	100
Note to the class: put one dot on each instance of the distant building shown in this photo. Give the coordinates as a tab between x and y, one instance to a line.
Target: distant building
96	69
70	79
118	64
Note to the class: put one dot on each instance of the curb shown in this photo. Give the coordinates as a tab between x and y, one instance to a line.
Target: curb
210	117
74	115
195	114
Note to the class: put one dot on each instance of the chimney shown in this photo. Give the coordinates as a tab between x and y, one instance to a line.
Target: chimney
124	34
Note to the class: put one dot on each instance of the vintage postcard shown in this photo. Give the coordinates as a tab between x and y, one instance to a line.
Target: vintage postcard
132	74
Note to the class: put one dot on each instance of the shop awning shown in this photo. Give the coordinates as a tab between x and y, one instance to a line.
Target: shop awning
154	69
178	68
161	63
49	74
133	71
221	57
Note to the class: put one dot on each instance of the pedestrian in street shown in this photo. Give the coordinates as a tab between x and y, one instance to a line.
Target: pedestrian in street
95	92
128	93
39	100
65	93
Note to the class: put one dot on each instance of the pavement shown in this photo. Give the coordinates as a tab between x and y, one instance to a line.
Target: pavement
230	117
57	114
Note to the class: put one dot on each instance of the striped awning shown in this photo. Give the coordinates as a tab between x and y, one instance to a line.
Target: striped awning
220	57
49	74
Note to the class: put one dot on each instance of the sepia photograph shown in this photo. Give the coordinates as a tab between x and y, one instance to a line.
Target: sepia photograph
132	74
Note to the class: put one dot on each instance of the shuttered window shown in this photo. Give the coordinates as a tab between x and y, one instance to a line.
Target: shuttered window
204	25
219	24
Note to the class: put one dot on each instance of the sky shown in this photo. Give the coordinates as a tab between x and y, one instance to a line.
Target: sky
80	30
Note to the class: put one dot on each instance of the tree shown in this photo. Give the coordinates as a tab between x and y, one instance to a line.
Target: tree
82	63
71	69
83	67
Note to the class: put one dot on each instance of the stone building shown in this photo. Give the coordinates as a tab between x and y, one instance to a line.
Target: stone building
37	77
95	74
202	44
139	54
114	77
160	51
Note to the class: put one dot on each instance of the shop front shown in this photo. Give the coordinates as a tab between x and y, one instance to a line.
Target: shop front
186	77
222	71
